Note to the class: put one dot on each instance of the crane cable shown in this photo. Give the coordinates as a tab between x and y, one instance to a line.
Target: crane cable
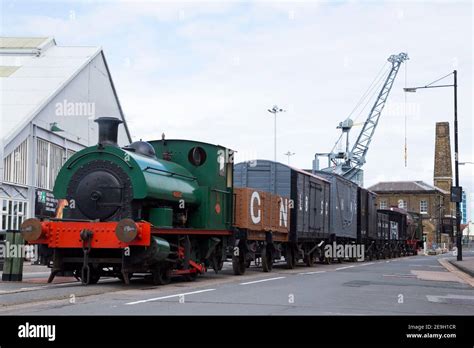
405	111
370	90
371	86
375	91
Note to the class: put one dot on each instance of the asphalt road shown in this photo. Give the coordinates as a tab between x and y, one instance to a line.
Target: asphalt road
405	286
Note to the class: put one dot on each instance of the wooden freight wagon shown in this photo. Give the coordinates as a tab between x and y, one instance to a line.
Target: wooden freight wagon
260	213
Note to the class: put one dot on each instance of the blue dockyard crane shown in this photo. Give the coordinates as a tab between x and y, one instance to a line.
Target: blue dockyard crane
349	163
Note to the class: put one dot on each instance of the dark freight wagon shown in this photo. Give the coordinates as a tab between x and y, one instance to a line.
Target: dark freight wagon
366	215
397	224
343	215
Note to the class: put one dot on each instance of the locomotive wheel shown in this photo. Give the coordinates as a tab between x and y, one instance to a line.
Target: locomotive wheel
191	277
93	278
238	264
161	276
309	260
267	259
290	258
217	263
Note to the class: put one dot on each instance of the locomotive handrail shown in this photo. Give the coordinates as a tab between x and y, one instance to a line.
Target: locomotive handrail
221	191
170	174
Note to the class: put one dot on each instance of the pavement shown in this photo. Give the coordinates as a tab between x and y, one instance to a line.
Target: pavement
466	265
416	285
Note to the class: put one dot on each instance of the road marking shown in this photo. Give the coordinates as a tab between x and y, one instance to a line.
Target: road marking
366	264
262	280
337	269
387	261
451	299
317	272
169	296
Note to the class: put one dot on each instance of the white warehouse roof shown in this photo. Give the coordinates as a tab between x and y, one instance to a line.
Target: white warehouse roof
32	72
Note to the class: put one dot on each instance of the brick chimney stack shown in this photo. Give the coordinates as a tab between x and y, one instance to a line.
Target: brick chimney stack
443	172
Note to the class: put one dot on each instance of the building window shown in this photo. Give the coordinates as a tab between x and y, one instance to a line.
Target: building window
424	206
49	160
221	161
15	165
383	204
12	214
402	204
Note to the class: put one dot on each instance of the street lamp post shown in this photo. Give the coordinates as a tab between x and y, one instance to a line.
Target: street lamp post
456	189
274	110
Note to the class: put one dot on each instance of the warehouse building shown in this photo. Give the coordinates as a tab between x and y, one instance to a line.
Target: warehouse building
49	98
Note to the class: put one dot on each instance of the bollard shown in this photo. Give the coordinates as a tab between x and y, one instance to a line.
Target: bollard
14	253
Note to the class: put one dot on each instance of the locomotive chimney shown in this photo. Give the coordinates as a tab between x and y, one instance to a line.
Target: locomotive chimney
108	130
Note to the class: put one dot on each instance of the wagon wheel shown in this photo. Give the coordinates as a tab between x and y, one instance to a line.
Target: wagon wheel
238	264
161	276
267	259
290	258
309	260
120	276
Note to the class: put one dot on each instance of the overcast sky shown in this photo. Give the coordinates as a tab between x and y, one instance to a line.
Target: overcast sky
209	71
